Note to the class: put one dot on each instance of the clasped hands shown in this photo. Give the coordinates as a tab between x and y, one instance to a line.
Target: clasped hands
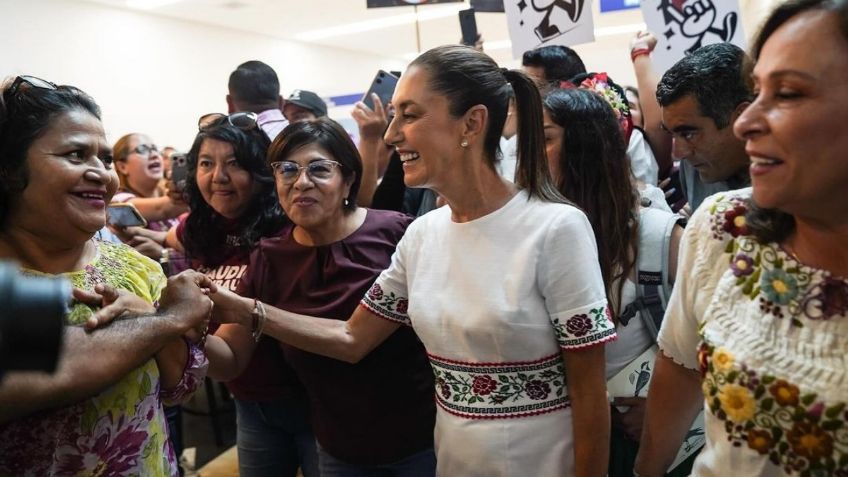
185	299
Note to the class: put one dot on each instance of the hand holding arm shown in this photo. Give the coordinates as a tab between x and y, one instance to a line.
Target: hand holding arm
119	303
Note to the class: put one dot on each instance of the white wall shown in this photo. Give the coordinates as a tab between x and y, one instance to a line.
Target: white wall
156	75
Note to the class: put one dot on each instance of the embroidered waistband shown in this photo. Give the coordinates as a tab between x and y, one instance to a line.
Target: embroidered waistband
500	390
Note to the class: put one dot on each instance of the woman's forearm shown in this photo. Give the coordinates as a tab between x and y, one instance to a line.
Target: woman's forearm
155	209
590	410
373	163
348	341
660	140
172	360
89	363
674	400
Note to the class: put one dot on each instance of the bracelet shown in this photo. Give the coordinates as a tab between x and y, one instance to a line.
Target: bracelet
637	52
258	315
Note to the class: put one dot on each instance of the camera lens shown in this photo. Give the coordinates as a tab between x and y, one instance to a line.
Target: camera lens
31	314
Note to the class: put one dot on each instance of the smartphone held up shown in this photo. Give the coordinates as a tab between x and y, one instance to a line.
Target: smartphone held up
468	25
383	86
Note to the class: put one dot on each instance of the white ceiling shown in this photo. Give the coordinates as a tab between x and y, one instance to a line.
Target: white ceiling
305	20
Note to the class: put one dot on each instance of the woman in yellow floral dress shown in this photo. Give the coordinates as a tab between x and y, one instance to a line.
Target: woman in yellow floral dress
757	327
101	414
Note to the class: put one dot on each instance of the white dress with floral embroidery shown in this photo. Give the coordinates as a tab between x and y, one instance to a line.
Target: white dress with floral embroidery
770	336
494	301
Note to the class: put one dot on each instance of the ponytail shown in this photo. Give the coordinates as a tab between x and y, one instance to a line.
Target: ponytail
532	171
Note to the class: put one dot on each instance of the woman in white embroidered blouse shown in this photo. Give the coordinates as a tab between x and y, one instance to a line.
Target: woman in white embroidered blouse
762	311
502	287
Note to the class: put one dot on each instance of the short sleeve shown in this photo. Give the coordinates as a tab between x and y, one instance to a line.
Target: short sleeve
699	267
197	364
388	297
571	283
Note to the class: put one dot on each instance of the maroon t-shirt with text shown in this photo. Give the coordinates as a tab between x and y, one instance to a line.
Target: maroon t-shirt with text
381	409
267	376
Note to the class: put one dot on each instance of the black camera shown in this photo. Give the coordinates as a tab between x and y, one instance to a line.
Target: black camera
32	310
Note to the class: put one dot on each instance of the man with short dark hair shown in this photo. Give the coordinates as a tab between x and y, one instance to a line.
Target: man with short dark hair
701	96
304	105
552	64
254	87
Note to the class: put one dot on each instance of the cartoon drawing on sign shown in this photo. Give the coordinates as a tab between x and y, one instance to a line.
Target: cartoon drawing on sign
695	19
689	442
549	28
641	378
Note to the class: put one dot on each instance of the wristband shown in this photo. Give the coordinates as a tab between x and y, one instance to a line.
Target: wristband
637	52
258	315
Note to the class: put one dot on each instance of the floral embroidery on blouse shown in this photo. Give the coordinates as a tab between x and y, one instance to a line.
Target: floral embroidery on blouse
500	390
764	272
388	305
583	329
122	430
797	431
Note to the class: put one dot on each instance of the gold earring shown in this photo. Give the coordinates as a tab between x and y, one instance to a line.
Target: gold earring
464	142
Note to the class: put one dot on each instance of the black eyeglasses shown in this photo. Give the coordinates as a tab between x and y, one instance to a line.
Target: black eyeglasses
30	81
145	149
244	120
320	171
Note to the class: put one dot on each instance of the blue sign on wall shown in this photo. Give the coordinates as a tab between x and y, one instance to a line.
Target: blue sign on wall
613	5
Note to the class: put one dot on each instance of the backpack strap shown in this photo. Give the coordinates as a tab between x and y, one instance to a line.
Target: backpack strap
652	287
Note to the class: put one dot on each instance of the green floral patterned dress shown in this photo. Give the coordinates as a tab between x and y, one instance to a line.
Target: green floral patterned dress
121	431
770	337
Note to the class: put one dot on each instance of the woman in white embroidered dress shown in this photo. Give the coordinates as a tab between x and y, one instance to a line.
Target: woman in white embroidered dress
503	286
761	307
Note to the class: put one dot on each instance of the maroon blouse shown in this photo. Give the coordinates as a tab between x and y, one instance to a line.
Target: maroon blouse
381	409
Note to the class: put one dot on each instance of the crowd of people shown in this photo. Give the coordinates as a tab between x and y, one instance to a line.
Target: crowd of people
456	294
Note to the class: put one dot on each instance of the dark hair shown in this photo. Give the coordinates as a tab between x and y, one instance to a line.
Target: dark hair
468	78
24	117
205	237
596	177
619	105
255	85
559	62
331	137
773	225
716	75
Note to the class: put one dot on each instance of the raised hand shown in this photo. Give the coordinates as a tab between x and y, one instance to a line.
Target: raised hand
372	122
698	18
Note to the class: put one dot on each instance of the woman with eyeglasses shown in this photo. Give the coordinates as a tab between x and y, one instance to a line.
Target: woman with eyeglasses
230	190
140	169
372	418
502	287
100	412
